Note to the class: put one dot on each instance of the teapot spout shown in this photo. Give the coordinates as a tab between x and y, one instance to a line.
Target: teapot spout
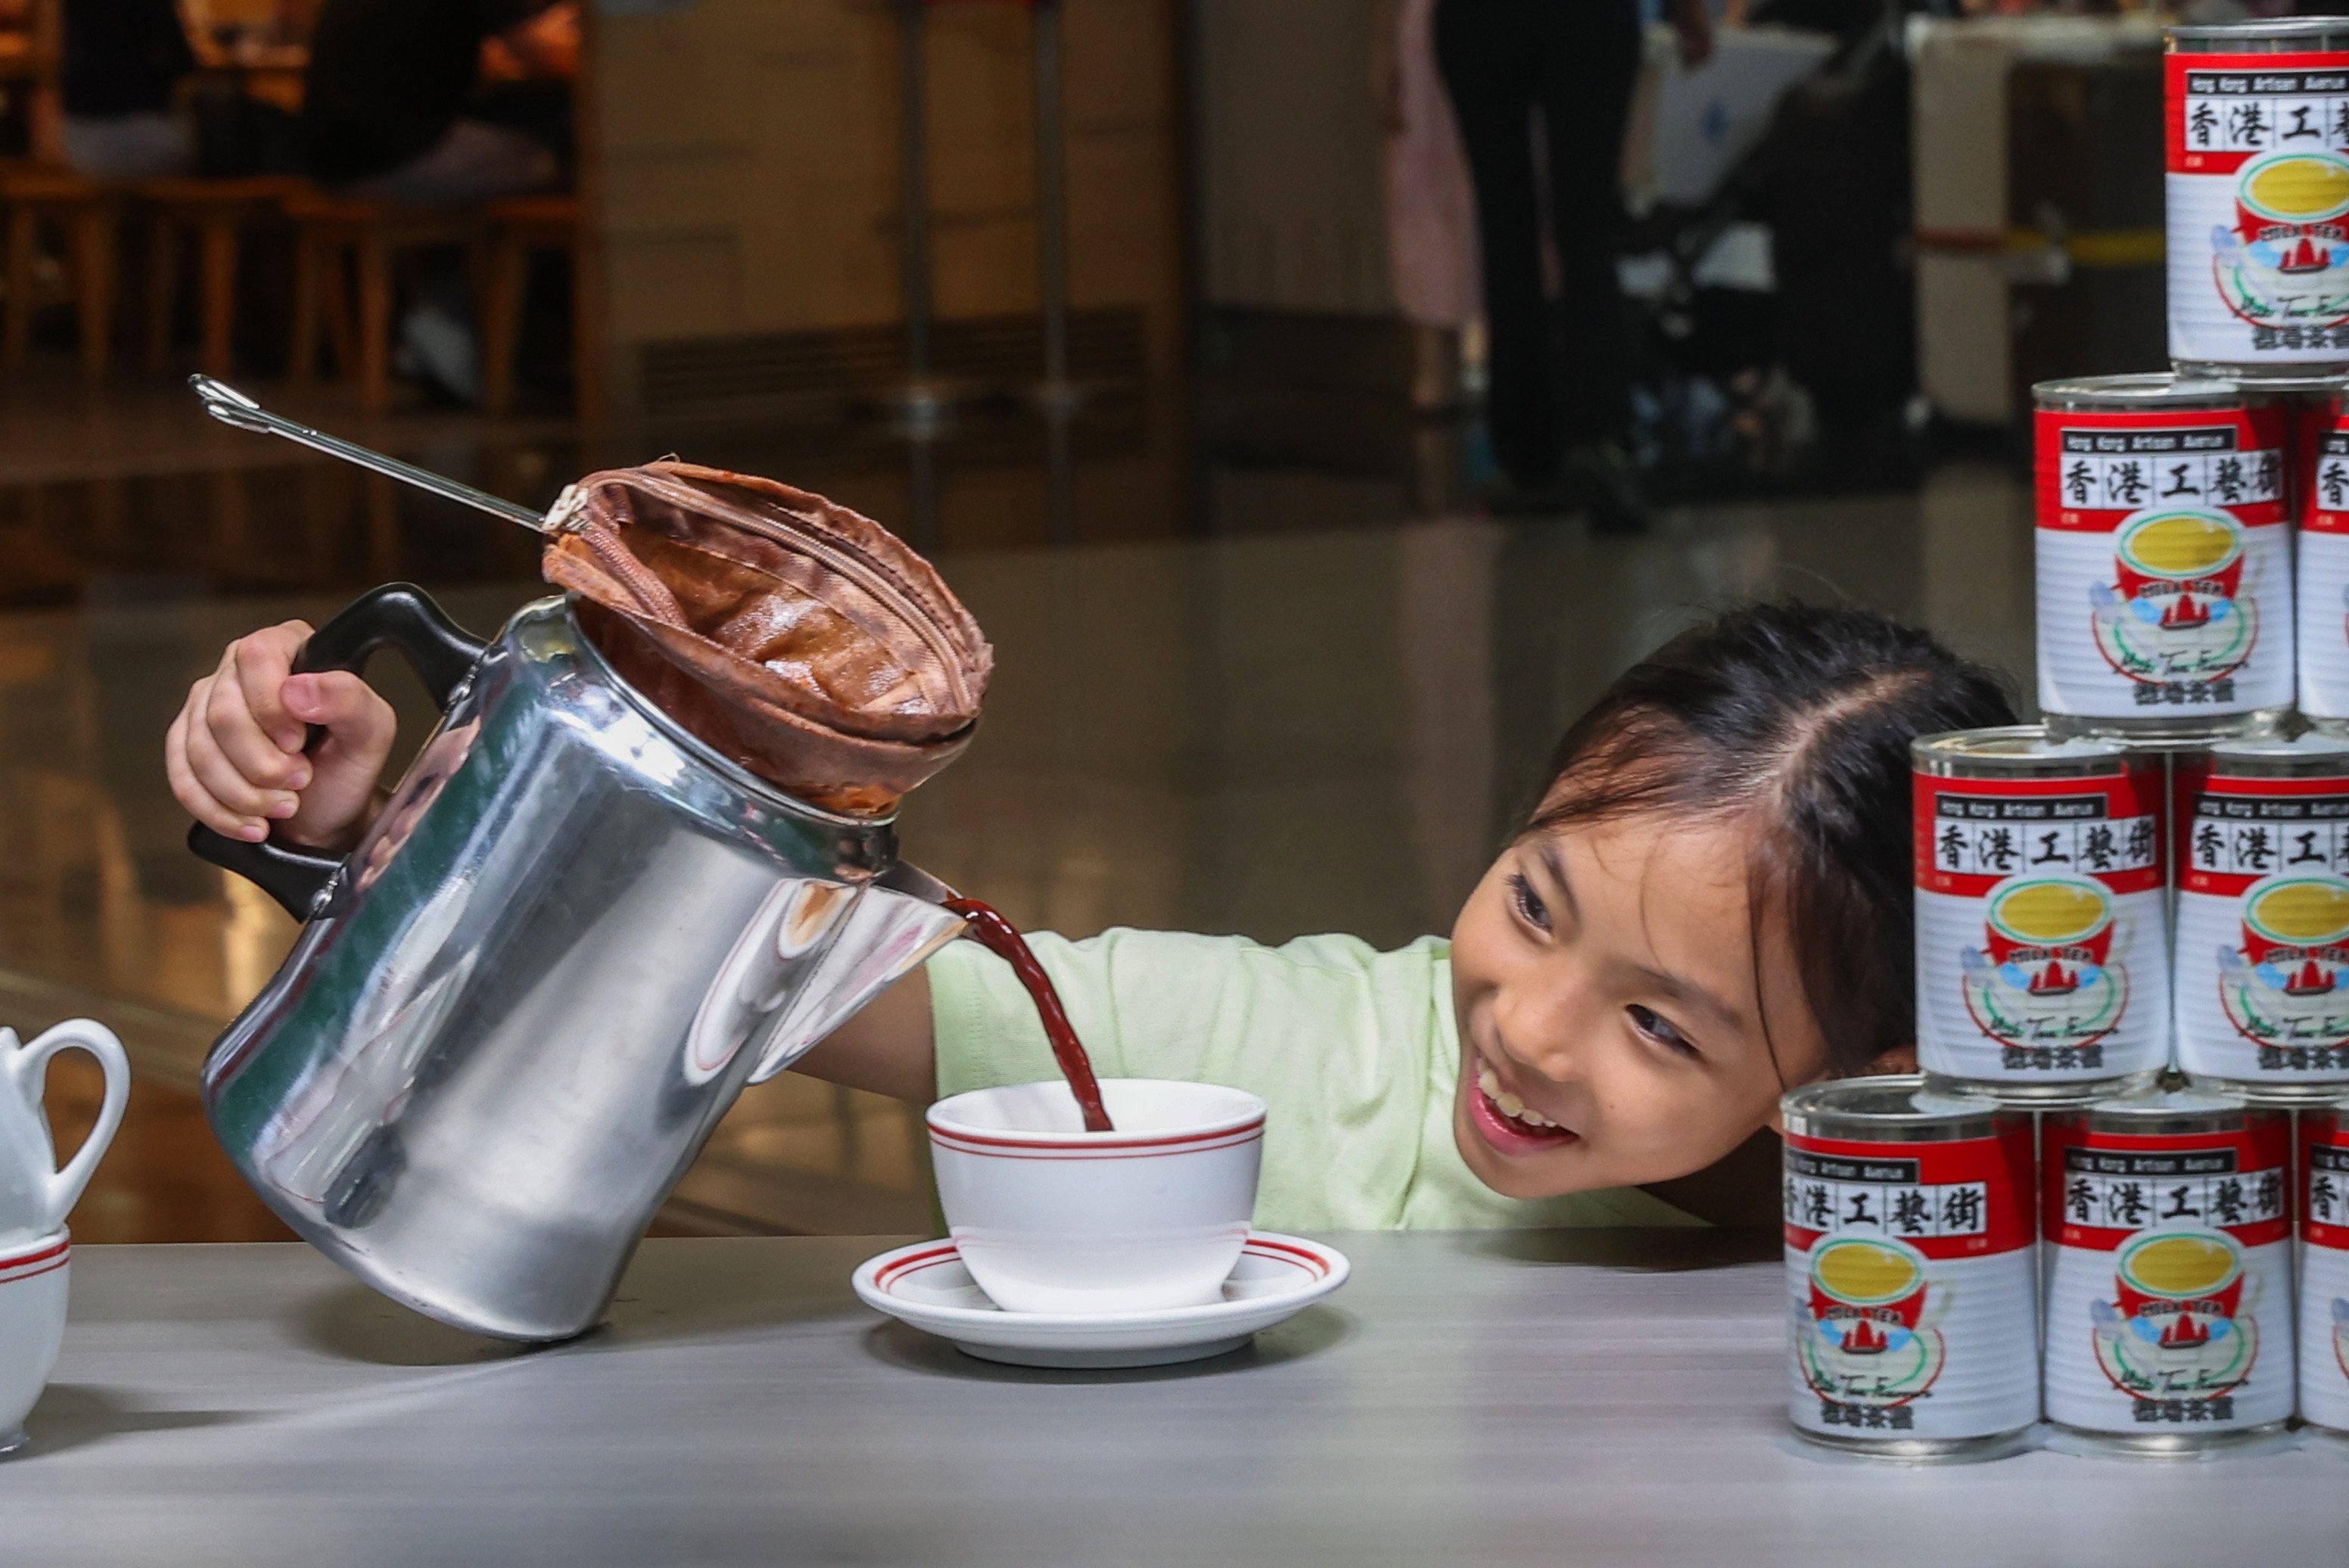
895	925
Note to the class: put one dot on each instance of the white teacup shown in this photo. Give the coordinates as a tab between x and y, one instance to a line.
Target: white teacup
34	1195
32	1326
1051	1218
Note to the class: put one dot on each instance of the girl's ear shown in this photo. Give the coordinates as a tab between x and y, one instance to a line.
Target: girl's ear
1898	1060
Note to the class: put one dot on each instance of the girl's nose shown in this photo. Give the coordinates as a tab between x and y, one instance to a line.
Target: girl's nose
1538	1028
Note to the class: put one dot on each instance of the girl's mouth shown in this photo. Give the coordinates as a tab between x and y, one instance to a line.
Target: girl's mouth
1509	1124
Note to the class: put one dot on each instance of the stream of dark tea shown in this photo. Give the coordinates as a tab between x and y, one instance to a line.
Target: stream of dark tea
1000	937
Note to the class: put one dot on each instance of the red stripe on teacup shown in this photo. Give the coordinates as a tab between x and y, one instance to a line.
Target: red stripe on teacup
981	1142
1087	1152
40	1261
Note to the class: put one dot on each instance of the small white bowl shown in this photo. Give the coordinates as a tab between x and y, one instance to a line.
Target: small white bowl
1051	1218
32	1326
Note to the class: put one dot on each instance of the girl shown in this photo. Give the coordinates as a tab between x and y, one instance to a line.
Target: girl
1710	904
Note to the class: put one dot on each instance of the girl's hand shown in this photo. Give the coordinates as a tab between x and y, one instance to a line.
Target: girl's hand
235	755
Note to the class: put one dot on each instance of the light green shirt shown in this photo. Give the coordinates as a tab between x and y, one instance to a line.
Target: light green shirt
1355	1051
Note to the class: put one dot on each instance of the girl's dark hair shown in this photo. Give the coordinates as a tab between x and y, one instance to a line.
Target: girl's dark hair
1800	717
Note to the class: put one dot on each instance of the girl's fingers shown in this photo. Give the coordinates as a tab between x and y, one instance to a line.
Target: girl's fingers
260	663
229	720
194	797
220	777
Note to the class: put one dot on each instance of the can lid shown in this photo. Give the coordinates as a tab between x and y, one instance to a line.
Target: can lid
2014	751
1892	1107
2310	755
2289	29
2154	389
2177	1110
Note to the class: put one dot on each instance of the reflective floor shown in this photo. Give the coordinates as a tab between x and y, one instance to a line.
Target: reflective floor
1265	697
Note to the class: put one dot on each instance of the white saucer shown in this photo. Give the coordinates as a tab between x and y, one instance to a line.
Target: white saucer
927	1285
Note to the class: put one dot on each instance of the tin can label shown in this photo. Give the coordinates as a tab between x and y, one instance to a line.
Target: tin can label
1911	1308
2042	954
2258	193
2323	590
2262	953
2324	1273
2164	561
2170	1280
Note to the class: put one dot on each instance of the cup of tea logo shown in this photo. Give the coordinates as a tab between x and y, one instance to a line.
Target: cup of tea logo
2045	975
2285	261
1867	1334
2288	984
2175	1327
2174	610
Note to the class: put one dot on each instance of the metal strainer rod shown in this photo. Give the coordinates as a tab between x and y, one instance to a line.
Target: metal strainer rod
231	406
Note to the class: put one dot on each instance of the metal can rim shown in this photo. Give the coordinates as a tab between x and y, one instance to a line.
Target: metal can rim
2303	757
1942	1116
2160	389
2282	29
2168	1113
2016	751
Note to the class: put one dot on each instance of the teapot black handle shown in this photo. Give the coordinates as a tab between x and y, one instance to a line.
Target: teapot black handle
398	615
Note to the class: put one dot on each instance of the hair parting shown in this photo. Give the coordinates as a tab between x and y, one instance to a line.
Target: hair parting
1798	719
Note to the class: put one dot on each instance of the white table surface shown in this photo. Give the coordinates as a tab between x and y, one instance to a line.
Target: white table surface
1563	1399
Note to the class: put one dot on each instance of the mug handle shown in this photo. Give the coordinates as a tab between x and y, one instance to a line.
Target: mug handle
29	1065
398	615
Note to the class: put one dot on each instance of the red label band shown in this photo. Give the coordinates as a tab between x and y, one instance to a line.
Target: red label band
2324	470
2324	1179
2223	110
1954	1200
2102	1188
1974	833
2232	832
2095	469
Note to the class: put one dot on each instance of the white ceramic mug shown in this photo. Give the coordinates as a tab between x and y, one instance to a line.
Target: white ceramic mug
34	1195
32	1326
1051	1218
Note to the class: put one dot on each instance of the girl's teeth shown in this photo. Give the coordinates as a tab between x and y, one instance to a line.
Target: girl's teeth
1510	1105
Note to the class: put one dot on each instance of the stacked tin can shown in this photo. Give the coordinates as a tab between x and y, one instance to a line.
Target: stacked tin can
2043	948
2324	1269
1912	1318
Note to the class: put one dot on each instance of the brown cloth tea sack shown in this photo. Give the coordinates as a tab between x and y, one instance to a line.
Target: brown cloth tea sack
803	640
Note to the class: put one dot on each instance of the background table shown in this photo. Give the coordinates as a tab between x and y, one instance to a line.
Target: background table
1574	1397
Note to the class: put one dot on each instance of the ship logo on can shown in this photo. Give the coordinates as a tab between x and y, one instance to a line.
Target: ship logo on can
2288	984
2045	975
2174	609
2285	261
2178	1326
1868	1336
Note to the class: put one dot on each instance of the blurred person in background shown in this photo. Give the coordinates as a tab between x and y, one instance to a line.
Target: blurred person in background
1430	210
412	100
388	109
123	62
1558	403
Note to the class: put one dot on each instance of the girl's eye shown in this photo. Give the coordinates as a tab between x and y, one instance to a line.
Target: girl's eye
1659	1030
1529	906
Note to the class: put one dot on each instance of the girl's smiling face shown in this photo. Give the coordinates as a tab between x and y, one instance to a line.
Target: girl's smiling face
1610	991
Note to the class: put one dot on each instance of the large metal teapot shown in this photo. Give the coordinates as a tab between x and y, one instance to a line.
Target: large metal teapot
520	1004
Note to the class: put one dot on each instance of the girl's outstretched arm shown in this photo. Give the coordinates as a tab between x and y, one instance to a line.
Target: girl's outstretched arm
886	1049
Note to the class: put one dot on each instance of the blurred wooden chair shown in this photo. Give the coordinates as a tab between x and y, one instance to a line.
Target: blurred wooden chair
519	227
335	235
215	213
85	214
